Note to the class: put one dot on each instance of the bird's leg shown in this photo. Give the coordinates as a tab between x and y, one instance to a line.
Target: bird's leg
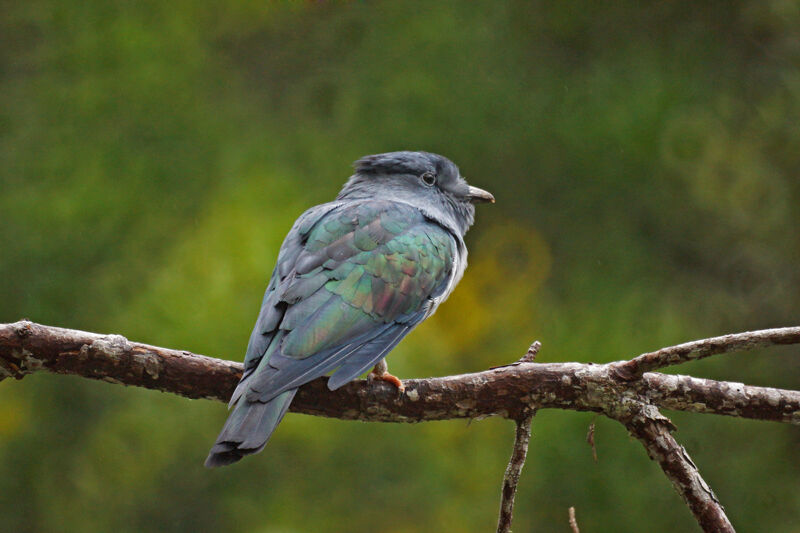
381	373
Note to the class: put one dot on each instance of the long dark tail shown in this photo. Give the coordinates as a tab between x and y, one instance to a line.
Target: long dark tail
248	428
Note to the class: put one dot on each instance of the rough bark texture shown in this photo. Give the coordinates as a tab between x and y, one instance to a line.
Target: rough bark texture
653	430
689	351
620	390
514	469
685	393
26	347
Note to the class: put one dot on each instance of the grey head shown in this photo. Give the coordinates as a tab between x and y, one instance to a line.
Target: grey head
430	182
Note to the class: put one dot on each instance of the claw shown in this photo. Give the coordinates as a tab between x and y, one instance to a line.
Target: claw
380	373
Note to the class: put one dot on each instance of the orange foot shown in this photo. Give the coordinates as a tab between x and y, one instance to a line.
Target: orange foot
380	372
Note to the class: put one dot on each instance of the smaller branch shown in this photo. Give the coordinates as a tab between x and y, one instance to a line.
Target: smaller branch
690	351
653	431
697	395
530	356
573	522
513	471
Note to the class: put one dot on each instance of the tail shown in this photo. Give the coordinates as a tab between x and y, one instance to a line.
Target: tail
248	428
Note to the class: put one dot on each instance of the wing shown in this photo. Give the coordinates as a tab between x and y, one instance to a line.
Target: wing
351	281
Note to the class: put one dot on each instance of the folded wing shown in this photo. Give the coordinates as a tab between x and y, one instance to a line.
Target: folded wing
349	285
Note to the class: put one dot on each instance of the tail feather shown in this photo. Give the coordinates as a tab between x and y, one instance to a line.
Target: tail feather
248	429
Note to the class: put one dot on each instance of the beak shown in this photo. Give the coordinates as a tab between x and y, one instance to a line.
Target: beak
479	196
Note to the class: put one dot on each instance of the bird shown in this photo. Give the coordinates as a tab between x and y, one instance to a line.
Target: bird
353	277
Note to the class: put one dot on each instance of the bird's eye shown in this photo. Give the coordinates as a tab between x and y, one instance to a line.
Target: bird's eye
428	178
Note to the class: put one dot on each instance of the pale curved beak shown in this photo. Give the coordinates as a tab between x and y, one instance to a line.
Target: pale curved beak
479	196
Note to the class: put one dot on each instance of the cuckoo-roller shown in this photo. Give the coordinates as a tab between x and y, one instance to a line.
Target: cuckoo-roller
353	277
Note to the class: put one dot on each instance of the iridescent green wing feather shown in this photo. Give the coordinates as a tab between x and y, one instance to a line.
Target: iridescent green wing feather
364	275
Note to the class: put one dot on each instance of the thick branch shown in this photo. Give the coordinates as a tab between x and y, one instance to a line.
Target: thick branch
26	347
690	351
653	431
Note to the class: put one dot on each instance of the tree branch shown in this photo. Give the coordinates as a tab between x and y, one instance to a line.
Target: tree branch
26	347
573	522
697	395
513	471
690	351
618	390
653	430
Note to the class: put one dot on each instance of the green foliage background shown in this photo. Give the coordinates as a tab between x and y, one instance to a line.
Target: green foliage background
646	161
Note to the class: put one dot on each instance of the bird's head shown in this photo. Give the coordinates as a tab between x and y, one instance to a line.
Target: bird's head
427	181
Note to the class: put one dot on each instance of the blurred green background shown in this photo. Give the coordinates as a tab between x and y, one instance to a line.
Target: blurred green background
645	158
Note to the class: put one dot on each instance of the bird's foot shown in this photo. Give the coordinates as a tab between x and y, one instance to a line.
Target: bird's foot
381	373
389	378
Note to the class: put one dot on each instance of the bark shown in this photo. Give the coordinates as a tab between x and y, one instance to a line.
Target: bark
690	351
620	390
513	471
26	347
654	432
